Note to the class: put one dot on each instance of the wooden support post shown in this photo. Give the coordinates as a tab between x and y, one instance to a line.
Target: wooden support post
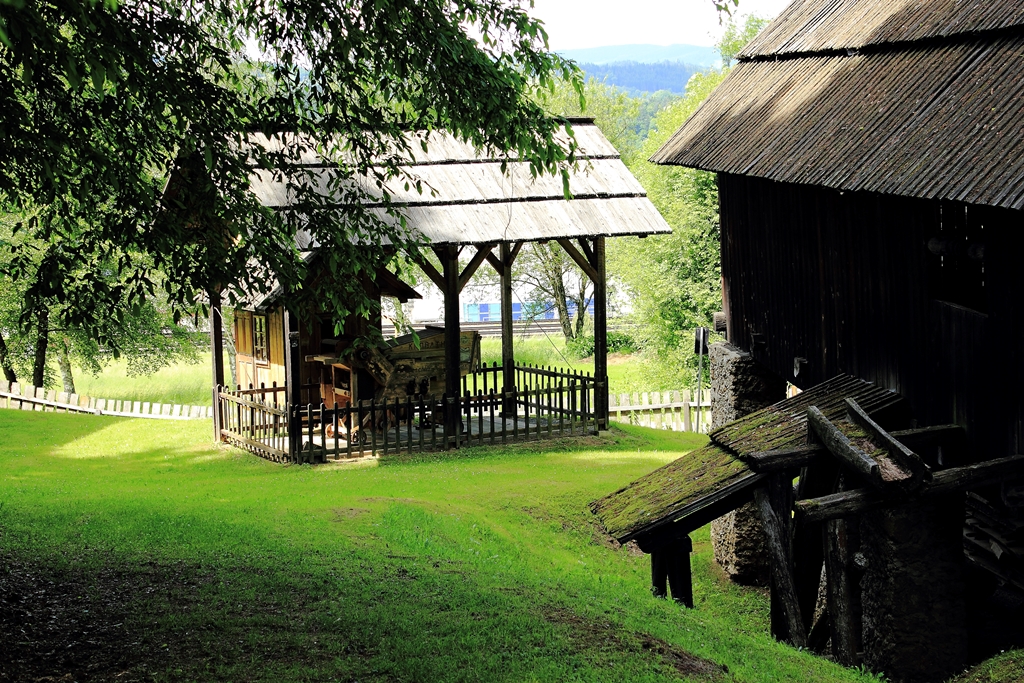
293	383
659	573
508	361
816	479
600	335
680	578
782	573
217	355
839	595
452	339
780	497
670	565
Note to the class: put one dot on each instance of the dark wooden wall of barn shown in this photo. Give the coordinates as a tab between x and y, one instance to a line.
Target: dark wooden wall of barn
848	282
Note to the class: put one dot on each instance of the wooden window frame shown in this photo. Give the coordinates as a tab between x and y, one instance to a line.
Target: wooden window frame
260	341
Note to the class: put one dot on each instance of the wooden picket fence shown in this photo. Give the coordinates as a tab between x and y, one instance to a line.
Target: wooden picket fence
680	411
27	397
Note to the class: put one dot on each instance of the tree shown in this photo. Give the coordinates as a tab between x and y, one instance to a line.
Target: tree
102	104
144	332
674	281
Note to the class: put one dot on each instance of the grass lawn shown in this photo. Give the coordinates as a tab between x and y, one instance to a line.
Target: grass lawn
182	383
134	551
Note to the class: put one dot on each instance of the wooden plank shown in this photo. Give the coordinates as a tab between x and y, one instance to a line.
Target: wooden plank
854	502
841	447
782	576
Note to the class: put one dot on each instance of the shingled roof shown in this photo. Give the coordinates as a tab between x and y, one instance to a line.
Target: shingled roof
907	97
468	199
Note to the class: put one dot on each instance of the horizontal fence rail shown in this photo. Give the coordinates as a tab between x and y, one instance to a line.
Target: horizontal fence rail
27	397
680	411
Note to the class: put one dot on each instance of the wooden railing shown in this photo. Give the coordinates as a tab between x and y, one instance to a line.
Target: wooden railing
255	420
418	424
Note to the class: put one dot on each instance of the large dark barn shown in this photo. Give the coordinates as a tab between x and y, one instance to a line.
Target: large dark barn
870	165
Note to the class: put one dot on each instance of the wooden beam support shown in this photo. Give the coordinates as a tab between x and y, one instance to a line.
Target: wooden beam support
837	444
482	250
839	594
782	575
428	269
585	264
452	341
293	381
954	479
903	456
587	249
495	262
670	564
508	359
600	335
217	356
780	497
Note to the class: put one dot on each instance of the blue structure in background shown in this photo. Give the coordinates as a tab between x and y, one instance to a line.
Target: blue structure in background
491	312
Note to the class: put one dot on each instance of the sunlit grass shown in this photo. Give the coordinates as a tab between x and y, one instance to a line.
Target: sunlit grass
478	565
181	383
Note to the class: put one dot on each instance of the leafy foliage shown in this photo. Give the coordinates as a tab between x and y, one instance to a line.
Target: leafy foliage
674	281
104	104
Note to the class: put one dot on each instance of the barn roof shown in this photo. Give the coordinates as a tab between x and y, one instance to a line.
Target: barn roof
914	98
467	199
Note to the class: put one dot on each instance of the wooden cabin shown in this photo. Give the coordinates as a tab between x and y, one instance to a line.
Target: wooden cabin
871	185
482	207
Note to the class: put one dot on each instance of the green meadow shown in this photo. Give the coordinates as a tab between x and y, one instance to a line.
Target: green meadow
133	550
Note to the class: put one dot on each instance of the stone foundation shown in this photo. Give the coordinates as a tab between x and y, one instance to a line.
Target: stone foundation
914	611
739	386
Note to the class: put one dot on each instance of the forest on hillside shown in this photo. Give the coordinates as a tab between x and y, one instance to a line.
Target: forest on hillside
640	77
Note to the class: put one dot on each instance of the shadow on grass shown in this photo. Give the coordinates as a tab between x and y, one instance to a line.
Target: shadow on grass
20	429
378	618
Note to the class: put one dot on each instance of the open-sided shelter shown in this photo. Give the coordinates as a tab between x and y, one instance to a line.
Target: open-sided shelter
480	206
870	165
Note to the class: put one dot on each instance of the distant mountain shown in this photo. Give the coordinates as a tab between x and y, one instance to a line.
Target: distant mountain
691	54
637	77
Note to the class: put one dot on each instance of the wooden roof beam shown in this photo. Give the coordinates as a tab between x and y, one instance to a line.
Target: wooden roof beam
428	269
580	259
482	251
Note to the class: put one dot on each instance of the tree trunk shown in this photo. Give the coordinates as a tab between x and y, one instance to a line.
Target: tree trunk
42	340
5	362
64	360
558	288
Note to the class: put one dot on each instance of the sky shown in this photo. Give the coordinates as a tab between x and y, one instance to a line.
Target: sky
573	24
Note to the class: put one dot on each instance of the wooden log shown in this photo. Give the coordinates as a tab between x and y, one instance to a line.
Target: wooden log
659	573
839	593
898	452
784	458
782	575
854	502
940	446
780	497
837	444
816	479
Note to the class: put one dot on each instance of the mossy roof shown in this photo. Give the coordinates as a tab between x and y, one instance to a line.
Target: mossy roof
688	485
668	490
